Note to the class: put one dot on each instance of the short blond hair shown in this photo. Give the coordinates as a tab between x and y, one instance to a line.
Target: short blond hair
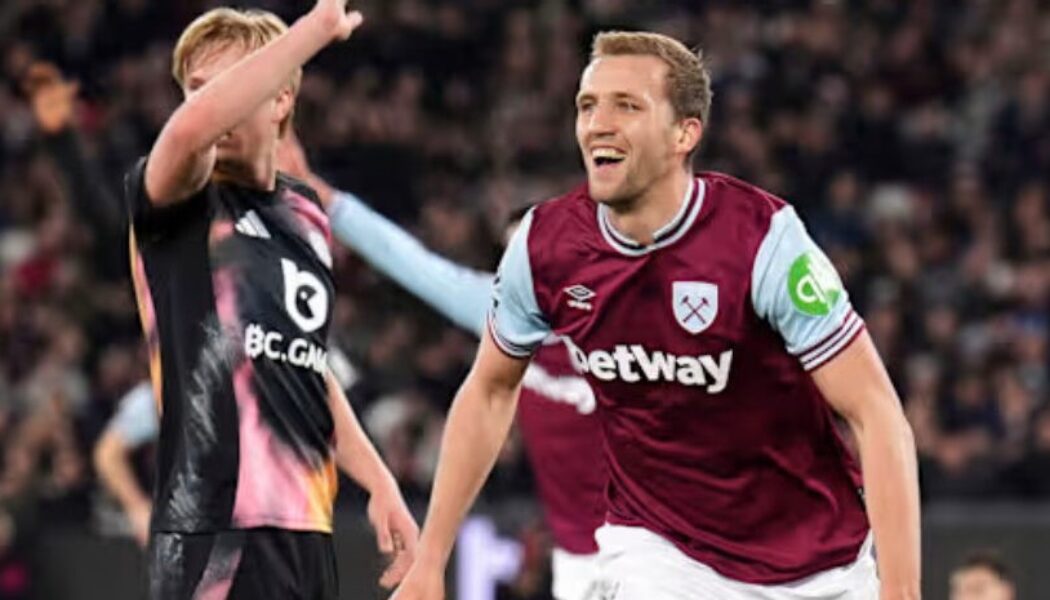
228	27
688	80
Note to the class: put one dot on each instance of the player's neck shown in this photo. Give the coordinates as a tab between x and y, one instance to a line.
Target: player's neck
260	175
641	218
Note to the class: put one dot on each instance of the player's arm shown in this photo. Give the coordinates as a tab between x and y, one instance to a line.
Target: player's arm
134	425
795	287
183	156
396	530
459	293
856	385
481	414
477	426
111	457
53	101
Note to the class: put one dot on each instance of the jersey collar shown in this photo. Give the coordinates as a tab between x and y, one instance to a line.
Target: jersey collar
666	235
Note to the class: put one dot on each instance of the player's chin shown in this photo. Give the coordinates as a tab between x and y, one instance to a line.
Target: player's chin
604	191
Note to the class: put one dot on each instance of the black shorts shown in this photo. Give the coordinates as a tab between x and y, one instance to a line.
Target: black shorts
259	564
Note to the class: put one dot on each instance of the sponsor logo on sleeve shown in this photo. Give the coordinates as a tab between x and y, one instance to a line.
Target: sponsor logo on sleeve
813	285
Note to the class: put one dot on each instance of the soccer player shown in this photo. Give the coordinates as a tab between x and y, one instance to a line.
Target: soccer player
719	342
233	276
556	410
133	426
982	576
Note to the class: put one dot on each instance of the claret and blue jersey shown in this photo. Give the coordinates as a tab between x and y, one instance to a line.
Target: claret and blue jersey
699	346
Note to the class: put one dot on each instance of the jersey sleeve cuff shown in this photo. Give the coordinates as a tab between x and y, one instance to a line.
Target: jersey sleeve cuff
506	346
341	202
834	343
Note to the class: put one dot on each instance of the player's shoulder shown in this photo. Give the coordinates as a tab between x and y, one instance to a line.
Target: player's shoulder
750	207
571	213
300	187
575	203
741	195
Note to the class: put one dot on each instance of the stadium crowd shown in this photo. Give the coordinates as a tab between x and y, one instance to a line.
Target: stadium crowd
914	138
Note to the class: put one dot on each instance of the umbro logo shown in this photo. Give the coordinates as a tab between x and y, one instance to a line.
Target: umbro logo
252	226
580	297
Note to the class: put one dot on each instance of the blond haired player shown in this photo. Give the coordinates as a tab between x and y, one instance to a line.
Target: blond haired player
233	276
719	342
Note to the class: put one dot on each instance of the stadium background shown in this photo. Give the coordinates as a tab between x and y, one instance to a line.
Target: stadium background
914	137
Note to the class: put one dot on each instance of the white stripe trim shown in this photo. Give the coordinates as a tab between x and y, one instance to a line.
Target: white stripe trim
613	237
841	343
504	344
616	235
681	214
829	340
690	219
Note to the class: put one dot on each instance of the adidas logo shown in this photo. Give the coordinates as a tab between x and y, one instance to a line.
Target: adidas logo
580	296
252	226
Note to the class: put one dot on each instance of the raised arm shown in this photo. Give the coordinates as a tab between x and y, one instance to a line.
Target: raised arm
183	156
53	101
459	293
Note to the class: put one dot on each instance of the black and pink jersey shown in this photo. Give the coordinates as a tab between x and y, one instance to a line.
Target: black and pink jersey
235	292
698	347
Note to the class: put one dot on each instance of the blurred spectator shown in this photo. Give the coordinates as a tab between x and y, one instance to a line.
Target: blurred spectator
982	576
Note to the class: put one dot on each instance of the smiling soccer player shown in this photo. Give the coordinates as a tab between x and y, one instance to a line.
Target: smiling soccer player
720	343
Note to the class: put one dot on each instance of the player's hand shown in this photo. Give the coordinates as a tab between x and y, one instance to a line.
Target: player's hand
396	532
421	583
138	516
335	20
51	97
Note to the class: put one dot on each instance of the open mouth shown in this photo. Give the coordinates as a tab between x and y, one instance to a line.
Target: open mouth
605	157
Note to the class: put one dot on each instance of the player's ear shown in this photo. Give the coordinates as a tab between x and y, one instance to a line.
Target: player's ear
690	131
283	104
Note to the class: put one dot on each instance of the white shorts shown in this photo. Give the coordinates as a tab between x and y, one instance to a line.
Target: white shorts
637	564
575	575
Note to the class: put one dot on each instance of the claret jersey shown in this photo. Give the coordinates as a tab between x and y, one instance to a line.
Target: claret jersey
699	348
235	293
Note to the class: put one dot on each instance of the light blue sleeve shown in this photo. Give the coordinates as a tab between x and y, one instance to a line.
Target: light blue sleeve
796	289
515	320
459	293
136	418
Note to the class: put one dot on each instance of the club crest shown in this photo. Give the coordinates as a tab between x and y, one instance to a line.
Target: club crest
695	304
